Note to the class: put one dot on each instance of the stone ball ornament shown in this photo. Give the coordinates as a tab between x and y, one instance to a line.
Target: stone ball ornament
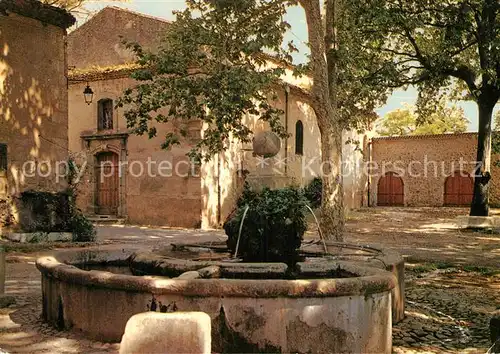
266	144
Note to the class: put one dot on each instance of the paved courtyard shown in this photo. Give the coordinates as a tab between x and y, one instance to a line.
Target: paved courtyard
452	284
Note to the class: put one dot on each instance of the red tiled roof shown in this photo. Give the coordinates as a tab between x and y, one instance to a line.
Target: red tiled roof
424	136
102	73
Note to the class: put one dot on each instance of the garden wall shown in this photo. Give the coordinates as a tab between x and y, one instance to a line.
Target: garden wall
424	162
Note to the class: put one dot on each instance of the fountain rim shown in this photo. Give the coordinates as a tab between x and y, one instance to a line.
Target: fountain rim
370	281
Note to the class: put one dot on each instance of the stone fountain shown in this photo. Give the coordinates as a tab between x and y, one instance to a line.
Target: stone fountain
340	300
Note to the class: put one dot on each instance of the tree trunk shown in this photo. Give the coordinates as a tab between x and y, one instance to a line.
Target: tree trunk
332	207
482	175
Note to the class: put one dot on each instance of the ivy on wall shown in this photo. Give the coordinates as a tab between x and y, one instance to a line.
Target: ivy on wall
56	212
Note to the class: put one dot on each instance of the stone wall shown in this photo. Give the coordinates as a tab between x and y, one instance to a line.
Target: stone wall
354	155
98	42
424	163
6	217
33	107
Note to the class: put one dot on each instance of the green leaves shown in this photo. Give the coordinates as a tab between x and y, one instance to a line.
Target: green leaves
210	67
429	42
408	122
362	70
170	140
273	226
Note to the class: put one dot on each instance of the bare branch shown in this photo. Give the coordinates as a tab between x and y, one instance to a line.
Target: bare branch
331	45
466	74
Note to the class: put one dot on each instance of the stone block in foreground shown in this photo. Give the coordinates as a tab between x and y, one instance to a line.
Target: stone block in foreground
179	332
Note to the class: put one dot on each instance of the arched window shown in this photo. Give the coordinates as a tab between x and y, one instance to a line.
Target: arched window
105	114
3	158
299	138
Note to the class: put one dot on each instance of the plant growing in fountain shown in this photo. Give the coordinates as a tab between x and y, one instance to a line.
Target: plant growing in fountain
272	224
154	305
314	192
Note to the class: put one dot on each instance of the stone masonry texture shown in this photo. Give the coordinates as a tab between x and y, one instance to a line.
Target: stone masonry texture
424	163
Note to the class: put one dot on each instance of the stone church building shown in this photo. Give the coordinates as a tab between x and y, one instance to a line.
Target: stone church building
179	195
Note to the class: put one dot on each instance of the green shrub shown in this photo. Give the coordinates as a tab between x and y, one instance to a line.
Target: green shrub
44	211
273	227
82	228
313	192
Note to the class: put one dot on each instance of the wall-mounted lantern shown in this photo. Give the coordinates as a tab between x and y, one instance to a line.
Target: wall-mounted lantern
88	94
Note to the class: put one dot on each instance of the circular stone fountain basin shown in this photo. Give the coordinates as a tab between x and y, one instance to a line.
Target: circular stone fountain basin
315	314
158	262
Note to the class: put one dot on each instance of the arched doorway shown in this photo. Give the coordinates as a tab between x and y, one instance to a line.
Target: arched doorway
107	180
458	189
390	190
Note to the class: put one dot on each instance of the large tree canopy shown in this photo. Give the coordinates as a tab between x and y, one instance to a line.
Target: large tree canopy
212	66
439	46
406	122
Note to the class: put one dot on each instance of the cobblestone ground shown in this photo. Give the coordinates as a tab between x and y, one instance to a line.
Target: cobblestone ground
448	309
21	328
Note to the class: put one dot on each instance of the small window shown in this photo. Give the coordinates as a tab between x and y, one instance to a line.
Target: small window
3	158
105	114
299	138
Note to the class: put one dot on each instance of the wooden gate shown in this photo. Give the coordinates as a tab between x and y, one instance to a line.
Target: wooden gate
390	190
458	189
107	178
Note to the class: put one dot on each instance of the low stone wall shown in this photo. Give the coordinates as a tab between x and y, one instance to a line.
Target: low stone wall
378	257
306	315
393	262
38	237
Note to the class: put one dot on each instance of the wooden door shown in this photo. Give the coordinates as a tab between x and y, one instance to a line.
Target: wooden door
107	183
390	190
458	189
